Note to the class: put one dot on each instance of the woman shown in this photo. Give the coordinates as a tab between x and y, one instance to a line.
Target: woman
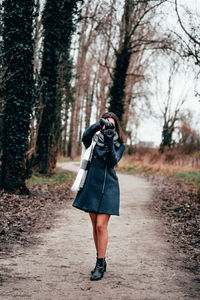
100	193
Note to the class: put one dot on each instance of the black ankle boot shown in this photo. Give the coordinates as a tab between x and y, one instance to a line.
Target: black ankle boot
99	270
104	265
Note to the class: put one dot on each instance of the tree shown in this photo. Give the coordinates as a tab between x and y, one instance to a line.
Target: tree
1	74
86	37
58	26
37	108
66	92
18	88
171	109
136	98
189	138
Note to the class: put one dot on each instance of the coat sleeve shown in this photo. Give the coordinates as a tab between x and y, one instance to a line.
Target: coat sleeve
89	133
114	154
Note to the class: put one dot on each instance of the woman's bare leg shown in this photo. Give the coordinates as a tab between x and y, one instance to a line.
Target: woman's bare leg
102	234
93	218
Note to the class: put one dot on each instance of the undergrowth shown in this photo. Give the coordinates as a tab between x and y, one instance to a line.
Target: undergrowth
58	177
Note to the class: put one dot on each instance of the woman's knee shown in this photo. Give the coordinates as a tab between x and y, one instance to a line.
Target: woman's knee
100	227
102	222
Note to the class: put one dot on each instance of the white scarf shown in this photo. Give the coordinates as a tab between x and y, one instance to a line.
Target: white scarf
86	157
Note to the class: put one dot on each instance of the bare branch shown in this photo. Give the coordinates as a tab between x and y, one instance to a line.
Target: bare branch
145	13
183	27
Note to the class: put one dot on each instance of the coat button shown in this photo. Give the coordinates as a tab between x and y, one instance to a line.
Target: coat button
95	156
104	158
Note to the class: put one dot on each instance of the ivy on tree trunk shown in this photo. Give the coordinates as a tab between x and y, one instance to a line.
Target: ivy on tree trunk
123	55
18	89
58	24
167	141
117	89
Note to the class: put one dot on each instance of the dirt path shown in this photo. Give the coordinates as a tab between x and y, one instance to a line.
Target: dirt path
141	263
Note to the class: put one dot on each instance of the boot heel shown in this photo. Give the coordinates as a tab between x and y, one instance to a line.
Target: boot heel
105	267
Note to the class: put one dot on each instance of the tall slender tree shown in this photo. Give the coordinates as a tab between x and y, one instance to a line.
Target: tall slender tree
18	87
86	37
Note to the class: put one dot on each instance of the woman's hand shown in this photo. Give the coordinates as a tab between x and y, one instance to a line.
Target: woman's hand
102	122
108	134
106	124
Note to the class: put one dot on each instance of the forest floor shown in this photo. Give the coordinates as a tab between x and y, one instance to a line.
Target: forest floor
47	249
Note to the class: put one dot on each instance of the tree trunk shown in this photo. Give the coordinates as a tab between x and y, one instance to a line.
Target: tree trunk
84	42
79	101
1	77
18	87
58	28
123	56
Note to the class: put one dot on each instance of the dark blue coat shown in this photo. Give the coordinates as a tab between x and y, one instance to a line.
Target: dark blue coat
100	193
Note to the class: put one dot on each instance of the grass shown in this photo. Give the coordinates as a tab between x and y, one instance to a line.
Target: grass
191	176
143	165
58	177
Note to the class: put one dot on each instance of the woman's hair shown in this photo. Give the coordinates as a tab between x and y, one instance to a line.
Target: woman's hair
117	124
